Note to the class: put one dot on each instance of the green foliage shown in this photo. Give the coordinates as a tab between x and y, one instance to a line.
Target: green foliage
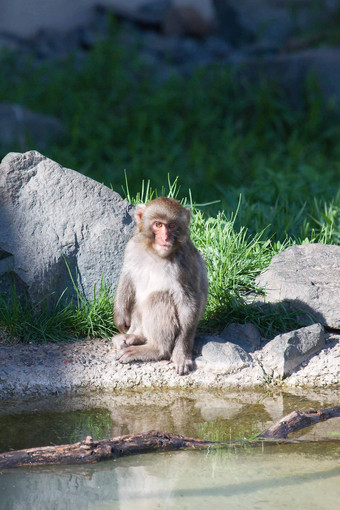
93	318
19	319
234	258
221	136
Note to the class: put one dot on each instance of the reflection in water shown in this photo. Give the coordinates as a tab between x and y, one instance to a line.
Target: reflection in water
274	478
215	415
27	430
280	477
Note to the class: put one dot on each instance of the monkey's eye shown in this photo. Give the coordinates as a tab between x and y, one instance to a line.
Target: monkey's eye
158	224
171	226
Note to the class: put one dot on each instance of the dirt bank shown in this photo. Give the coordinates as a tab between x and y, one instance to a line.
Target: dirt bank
89	365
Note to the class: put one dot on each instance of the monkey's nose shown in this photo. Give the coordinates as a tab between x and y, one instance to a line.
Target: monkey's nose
165	234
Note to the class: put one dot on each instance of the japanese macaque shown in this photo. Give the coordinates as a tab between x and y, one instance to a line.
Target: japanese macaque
162	290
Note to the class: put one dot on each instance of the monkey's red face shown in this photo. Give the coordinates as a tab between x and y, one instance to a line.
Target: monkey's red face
164	237
163	224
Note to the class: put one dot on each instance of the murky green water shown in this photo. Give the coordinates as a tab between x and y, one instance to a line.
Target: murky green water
275	477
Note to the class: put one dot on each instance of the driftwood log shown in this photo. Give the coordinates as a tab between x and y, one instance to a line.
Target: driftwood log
89	451
298	420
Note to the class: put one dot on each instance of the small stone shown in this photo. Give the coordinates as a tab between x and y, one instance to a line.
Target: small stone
246	336
218	352
187	20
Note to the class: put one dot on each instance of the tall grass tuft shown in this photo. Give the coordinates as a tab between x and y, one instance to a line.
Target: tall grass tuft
22	321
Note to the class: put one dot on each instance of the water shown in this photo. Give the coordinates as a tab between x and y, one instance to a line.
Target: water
268	477
273	478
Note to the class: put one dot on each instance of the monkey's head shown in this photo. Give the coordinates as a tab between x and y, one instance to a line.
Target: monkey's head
164	224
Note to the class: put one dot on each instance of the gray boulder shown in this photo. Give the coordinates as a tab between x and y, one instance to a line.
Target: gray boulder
307	278
21	128
286	352
52	217
149	13
246	336
181	20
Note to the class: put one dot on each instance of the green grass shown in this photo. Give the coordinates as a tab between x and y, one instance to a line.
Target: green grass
272	167
24	322
221	137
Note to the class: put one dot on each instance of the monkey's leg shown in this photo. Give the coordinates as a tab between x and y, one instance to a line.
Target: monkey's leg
160	327
182	352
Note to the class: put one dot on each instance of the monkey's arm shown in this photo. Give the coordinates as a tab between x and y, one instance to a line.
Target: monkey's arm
123	303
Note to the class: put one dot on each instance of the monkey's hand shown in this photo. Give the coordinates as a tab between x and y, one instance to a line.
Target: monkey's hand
119	341
121	316
122	325
183	364
123	340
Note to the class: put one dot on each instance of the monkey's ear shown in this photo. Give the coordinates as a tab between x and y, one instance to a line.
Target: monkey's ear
140	208
188	213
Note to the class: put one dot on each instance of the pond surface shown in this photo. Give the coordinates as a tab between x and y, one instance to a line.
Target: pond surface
269	477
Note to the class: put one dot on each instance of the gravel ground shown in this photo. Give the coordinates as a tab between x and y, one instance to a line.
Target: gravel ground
90	365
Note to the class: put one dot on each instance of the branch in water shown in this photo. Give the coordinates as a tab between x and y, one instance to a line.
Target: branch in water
90	451
298	420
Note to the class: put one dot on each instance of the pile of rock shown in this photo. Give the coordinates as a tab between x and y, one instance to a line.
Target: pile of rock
259	38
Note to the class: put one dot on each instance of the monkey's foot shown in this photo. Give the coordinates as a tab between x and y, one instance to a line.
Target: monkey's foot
137	353
126	355
183	365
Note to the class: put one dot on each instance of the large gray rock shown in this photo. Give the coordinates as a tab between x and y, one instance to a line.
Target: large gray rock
285	352
307	278
50	216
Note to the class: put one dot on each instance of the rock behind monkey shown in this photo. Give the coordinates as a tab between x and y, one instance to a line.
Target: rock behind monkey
162	290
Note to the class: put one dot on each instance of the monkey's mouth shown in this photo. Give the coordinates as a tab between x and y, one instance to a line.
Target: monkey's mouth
168	245
163	249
